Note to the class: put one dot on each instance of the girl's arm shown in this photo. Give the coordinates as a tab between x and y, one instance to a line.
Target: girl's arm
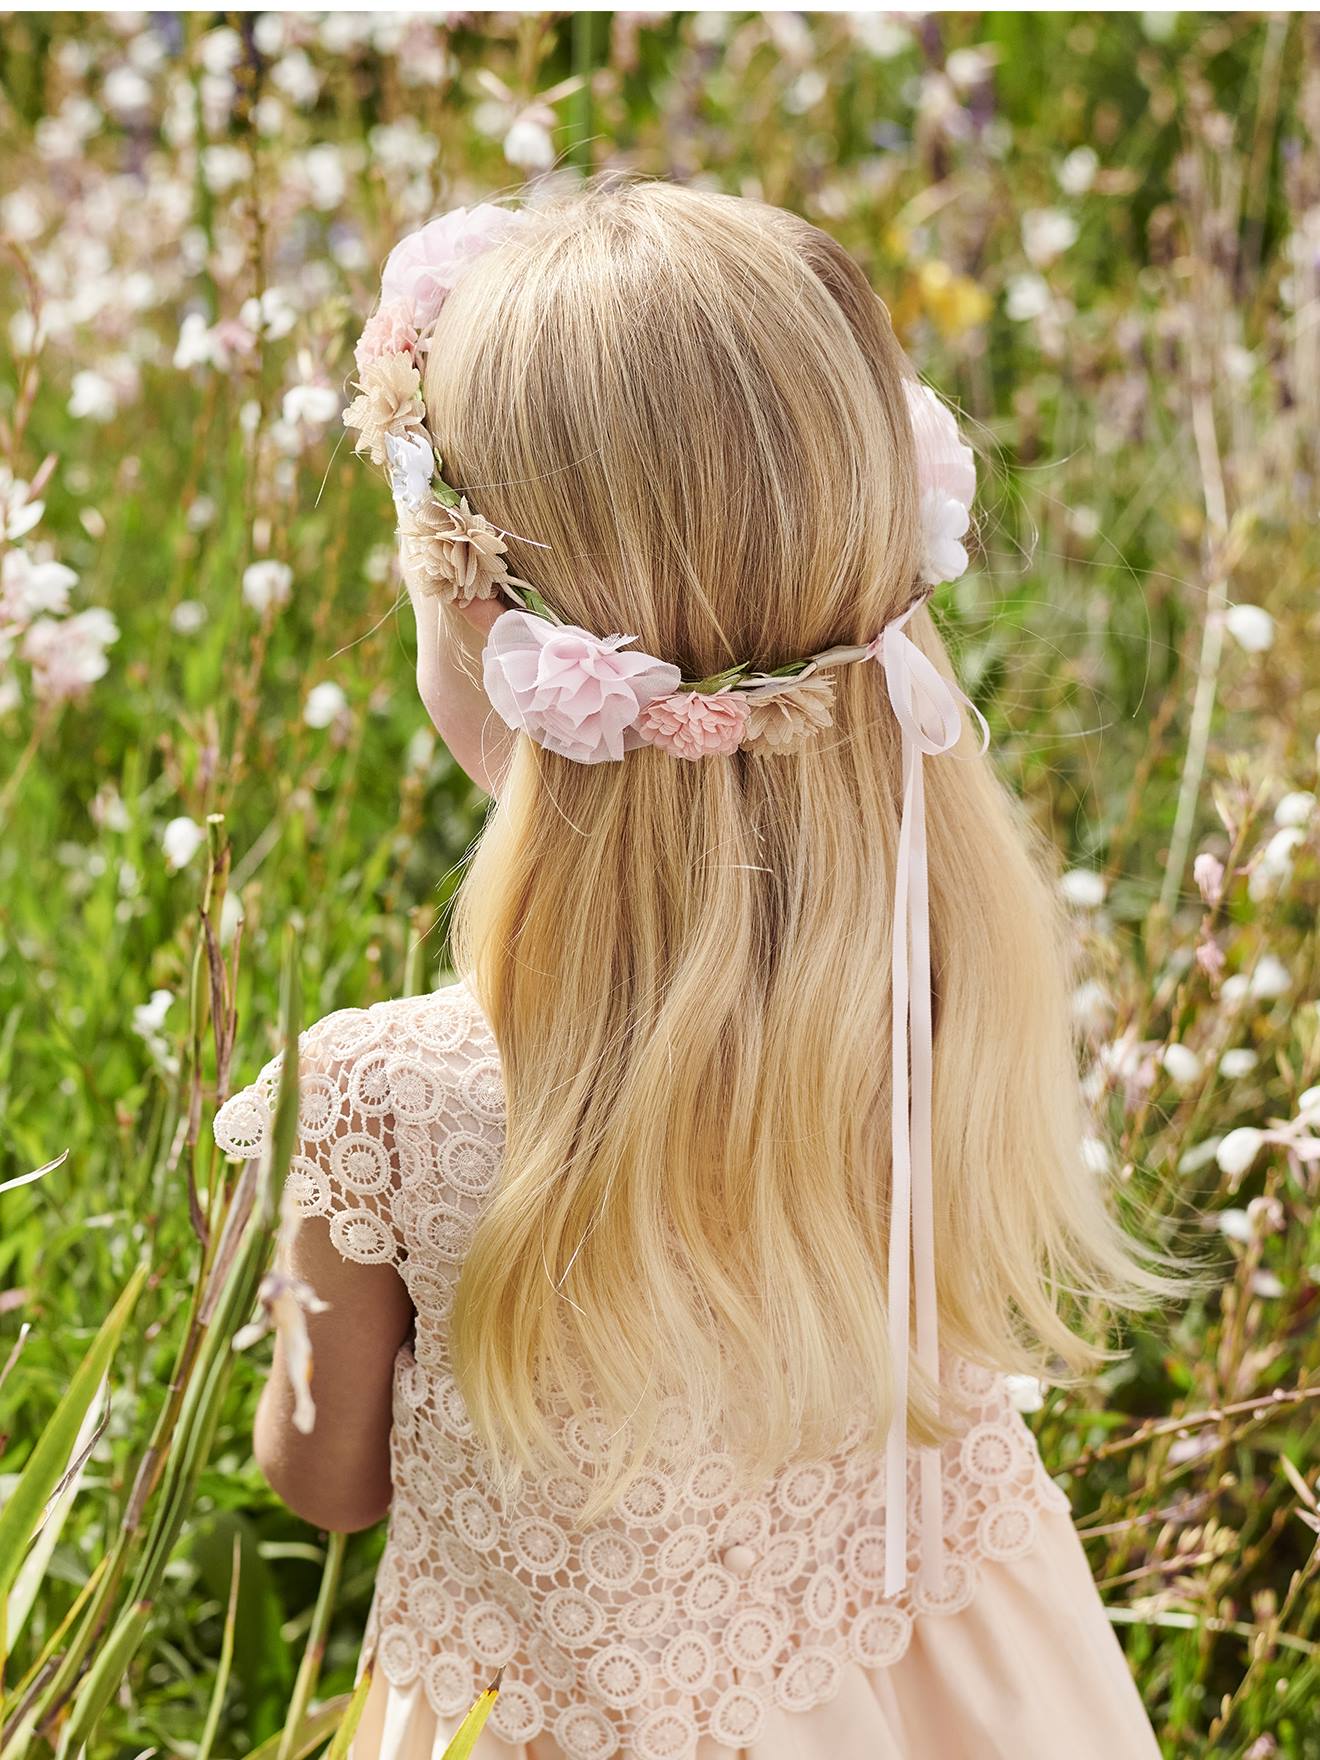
337	1477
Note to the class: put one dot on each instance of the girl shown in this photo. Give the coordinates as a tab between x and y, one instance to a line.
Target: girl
677	1254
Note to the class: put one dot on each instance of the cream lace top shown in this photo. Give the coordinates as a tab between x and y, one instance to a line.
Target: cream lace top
690	1612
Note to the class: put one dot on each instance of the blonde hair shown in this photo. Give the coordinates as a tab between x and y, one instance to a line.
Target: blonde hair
696	404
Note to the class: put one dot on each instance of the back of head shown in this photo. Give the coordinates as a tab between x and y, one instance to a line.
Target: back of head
691	410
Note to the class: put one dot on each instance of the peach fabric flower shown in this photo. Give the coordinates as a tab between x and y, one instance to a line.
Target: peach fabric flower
576	694
694	724
784	721
390	403
422	269
389	330
453	552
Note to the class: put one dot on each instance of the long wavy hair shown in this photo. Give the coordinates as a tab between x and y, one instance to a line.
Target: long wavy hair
695	406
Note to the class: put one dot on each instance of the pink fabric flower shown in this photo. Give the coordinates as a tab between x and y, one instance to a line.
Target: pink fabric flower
424	267
946	476
389	330
692	724
576	694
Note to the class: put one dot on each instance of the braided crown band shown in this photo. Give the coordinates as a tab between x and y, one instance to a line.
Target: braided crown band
586	697
593	698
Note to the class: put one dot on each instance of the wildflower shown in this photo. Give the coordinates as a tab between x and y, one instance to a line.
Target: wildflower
69	655
1295	808
1208	872
1047	233
310	404
1274	863
93	398
325	703
528	143
1027	297
29	588
1251	627
267	584
1077	172
1181	1064
182	839
1025	1391
1238	1150
1237	1063
1271	978
187	617
1080	886
149	1017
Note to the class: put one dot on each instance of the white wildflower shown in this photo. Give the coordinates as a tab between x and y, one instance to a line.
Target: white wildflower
1181	1064
1274	863
1234	1224
1025	1391
1077	172
69	655
1027	297
93	398
528	143
1237	1063
1295	808
181	840
187	617
1270	979
1047	233
1251	627
149	1017
267	585
325	703
1080	886
1239	1149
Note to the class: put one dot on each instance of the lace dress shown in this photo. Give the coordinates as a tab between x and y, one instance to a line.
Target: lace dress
694	1623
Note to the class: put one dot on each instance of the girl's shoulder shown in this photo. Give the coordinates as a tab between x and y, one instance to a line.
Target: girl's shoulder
400	1126
408	1061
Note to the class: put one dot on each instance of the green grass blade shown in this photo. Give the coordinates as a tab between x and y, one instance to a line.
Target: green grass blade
309	1670
465	1736
317	1725
338	1749
50	1457
225	1663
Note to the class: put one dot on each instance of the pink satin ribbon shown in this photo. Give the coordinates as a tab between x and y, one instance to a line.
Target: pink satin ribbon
929	711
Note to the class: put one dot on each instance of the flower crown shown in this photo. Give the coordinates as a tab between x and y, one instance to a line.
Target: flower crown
586	697
592	698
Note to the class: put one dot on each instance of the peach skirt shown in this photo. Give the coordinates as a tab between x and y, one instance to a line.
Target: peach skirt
1029	1670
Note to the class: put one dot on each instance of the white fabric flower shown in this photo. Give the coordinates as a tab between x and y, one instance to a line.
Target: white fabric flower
946	476
411	461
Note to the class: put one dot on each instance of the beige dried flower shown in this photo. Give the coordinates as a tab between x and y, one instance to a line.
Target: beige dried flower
784	721
390	403
454	553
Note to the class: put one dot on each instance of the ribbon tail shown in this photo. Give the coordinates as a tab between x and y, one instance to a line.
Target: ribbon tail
923	1180
900	1188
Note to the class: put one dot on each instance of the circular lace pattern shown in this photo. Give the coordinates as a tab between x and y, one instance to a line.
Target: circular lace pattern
694	1608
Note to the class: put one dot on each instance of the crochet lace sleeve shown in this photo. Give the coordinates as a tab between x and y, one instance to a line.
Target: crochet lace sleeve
345	1164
